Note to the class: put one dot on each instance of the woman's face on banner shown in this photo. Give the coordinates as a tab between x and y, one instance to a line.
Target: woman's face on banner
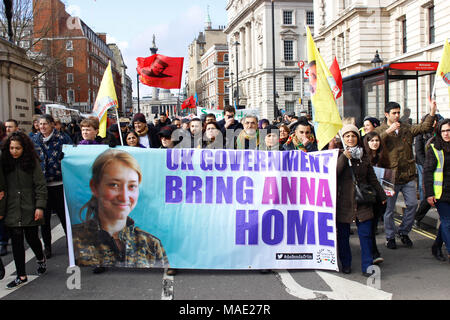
117	192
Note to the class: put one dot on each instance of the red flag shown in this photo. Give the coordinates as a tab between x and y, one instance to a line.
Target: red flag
336	72
160	71
188	103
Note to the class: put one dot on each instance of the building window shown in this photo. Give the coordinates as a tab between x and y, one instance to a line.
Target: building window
289	84
404	38
288	50
70	78
287	17
69	45
70	96
431	30
225	57
289	106
69	62
227	72
310	18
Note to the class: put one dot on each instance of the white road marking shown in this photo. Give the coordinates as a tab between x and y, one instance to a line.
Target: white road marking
10	269
341	288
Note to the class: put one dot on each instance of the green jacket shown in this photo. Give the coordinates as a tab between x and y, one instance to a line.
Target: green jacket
25	192
399	147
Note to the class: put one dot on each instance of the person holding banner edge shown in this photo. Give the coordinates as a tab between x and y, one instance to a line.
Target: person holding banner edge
49	143
348	210
108	237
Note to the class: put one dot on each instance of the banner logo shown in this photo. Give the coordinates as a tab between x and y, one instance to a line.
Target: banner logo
294	256
325	256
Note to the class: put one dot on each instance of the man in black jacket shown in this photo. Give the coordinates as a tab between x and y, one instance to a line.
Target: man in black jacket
229	123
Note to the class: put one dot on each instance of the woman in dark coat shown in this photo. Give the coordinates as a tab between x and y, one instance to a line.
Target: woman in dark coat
378	157
25	202
348	210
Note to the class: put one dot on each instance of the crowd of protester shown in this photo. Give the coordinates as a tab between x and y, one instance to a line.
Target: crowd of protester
35	159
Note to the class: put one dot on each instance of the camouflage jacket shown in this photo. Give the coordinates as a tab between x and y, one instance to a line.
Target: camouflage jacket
95	247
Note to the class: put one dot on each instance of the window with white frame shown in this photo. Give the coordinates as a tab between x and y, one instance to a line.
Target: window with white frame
70	96
287	18
310	18
289	106
69	45
288	50
289	84
70	78
69	62
431	31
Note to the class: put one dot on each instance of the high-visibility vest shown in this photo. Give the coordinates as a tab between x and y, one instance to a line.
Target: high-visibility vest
438	173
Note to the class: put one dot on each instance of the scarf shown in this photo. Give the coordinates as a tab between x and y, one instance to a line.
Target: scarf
298	145
142	133
243	137
48	138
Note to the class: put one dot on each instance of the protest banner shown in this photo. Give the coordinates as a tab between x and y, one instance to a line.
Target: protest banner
209	209
386	178
240	113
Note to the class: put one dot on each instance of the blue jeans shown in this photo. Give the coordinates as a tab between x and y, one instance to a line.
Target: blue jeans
365	241
420	181
443	209
410	195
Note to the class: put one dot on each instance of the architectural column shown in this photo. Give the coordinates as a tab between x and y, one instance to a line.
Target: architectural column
248	45
242	57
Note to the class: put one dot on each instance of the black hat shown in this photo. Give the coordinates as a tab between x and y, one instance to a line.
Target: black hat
166	131
374	121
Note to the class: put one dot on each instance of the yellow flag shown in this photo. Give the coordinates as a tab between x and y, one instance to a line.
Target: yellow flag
443	70
106	99
326	118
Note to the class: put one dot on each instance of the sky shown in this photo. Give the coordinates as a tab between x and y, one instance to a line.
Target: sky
131	25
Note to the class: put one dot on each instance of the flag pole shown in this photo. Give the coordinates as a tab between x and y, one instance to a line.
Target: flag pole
118	125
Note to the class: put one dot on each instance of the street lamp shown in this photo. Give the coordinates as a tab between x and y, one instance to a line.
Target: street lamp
138	98
236	44
376	61
232	87
273	63
79	102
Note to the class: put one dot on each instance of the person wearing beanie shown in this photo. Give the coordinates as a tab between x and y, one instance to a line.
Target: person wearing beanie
141	128
348	210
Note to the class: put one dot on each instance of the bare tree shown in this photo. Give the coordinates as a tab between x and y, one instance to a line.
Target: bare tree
18	17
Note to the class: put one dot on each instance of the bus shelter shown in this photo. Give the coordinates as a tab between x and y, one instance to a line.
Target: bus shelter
407	83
